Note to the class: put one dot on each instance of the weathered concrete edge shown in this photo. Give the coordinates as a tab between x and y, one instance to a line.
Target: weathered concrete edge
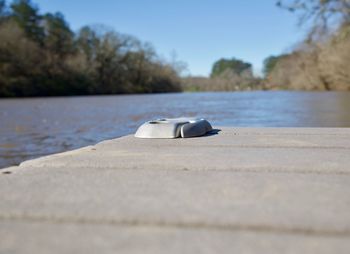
282	131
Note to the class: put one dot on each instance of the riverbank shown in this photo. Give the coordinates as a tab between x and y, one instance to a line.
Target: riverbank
251	190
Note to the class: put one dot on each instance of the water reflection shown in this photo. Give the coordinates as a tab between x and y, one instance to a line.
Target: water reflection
34	127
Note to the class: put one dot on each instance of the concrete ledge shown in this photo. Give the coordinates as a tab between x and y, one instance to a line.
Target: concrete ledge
249	190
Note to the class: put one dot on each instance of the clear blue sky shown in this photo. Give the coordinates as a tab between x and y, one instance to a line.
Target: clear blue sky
199	31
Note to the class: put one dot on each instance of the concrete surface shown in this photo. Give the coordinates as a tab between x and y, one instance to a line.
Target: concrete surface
242	190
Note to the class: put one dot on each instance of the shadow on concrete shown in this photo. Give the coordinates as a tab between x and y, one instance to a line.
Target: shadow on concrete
212	133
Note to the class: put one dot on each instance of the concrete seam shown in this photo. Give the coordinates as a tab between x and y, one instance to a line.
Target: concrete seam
198	225
258	170
255	146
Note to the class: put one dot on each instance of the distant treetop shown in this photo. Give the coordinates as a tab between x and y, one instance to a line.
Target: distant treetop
235	65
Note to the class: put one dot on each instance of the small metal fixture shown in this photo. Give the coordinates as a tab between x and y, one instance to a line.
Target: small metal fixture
174	128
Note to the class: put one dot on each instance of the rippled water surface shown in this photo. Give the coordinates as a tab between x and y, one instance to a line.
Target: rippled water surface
31	128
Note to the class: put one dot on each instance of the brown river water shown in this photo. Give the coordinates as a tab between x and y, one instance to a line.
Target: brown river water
34	127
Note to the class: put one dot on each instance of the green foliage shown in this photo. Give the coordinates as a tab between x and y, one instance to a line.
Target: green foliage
41	56
59	39
3	11
227	75
270	63
88	42
235	65
26	15
2	8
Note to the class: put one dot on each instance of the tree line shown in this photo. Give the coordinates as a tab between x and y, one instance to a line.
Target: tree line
320	62
41	56
226	75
